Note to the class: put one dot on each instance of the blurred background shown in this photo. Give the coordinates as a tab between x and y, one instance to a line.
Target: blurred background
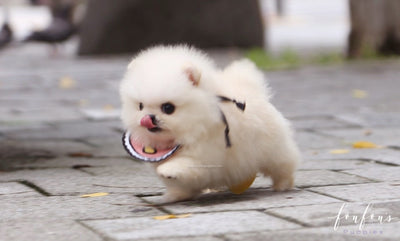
289	31
76	50
302	27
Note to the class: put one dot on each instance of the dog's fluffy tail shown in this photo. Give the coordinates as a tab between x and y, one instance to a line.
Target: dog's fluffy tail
243	79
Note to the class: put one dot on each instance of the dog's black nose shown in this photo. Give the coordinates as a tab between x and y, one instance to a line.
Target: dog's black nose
153	119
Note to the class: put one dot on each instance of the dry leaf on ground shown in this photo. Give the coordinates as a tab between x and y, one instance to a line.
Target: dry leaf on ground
364	144
66	82
172	216
108	107
97	194
359	94
339	151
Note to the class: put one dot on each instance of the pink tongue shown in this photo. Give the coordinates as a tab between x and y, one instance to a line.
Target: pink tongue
147	122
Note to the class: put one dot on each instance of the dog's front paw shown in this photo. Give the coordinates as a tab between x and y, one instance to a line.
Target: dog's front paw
169	171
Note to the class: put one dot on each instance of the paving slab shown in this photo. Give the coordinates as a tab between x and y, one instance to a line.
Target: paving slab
325	178
338	164
53	174
252	199
46	228
134	168
345	233
188	238
372	119
196	224
15	189
21	126
69	130
380	136
385	156
390	174
75	160
16	150
319	122
101	114
309	140
108	147
76	182
362	192
74	207
314	178
341	214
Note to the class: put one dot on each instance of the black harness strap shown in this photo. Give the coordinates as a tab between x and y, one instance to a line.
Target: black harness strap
239	105
227	139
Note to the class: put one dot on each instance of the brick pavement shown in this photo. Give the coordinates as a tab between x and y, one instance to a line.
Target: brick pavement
60	139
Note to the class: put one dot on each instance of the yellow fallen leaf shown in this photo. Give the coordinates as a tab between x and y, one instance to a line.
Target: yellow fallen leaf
364	144
339	151
97	194
108	107
66	82
171	216
83	102
360	94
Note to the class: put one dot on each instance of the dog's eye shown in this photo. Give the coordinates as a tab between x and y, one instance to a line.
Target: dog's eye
167	108
140	106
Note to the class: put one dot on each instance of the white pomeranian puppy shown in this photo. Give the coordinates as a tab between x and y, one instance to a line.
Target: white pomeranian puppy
202	127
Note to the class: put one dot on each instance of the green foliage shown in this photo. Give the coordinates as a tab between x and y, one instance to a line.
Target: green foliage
289	59
328	58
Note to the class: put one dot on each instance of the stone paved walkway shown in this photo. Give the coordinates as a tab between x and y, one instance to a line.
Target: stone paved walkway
60	139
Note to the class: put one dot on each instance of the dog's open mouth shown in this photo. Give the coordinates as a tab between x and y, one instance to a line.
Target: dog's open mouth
146	153
154	129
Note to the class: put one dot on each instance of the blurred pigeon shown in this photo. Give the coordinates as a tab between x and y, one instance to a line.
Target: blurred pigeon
6	35
60	29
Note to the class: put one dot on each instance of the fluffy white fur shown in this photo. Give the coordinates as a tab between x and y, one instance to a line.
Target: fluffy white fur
261	137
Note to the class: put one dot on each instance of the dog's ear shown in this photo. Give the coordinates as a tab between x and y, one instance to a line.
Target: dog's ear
193	75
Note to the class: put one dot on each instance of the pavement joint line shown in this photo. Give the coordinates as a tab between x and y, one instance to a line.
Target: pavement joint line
84	171
156	206
35	187
385	163
341	184
328	195
86	142
222	237
317	132
397	148
92	230
294	206
305	117
373	161
355	175
349	124
148	195
289	219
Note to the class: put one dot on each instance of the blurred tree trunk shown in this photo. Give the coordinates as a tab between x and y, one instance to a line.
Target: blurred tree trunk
375	27
131	25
